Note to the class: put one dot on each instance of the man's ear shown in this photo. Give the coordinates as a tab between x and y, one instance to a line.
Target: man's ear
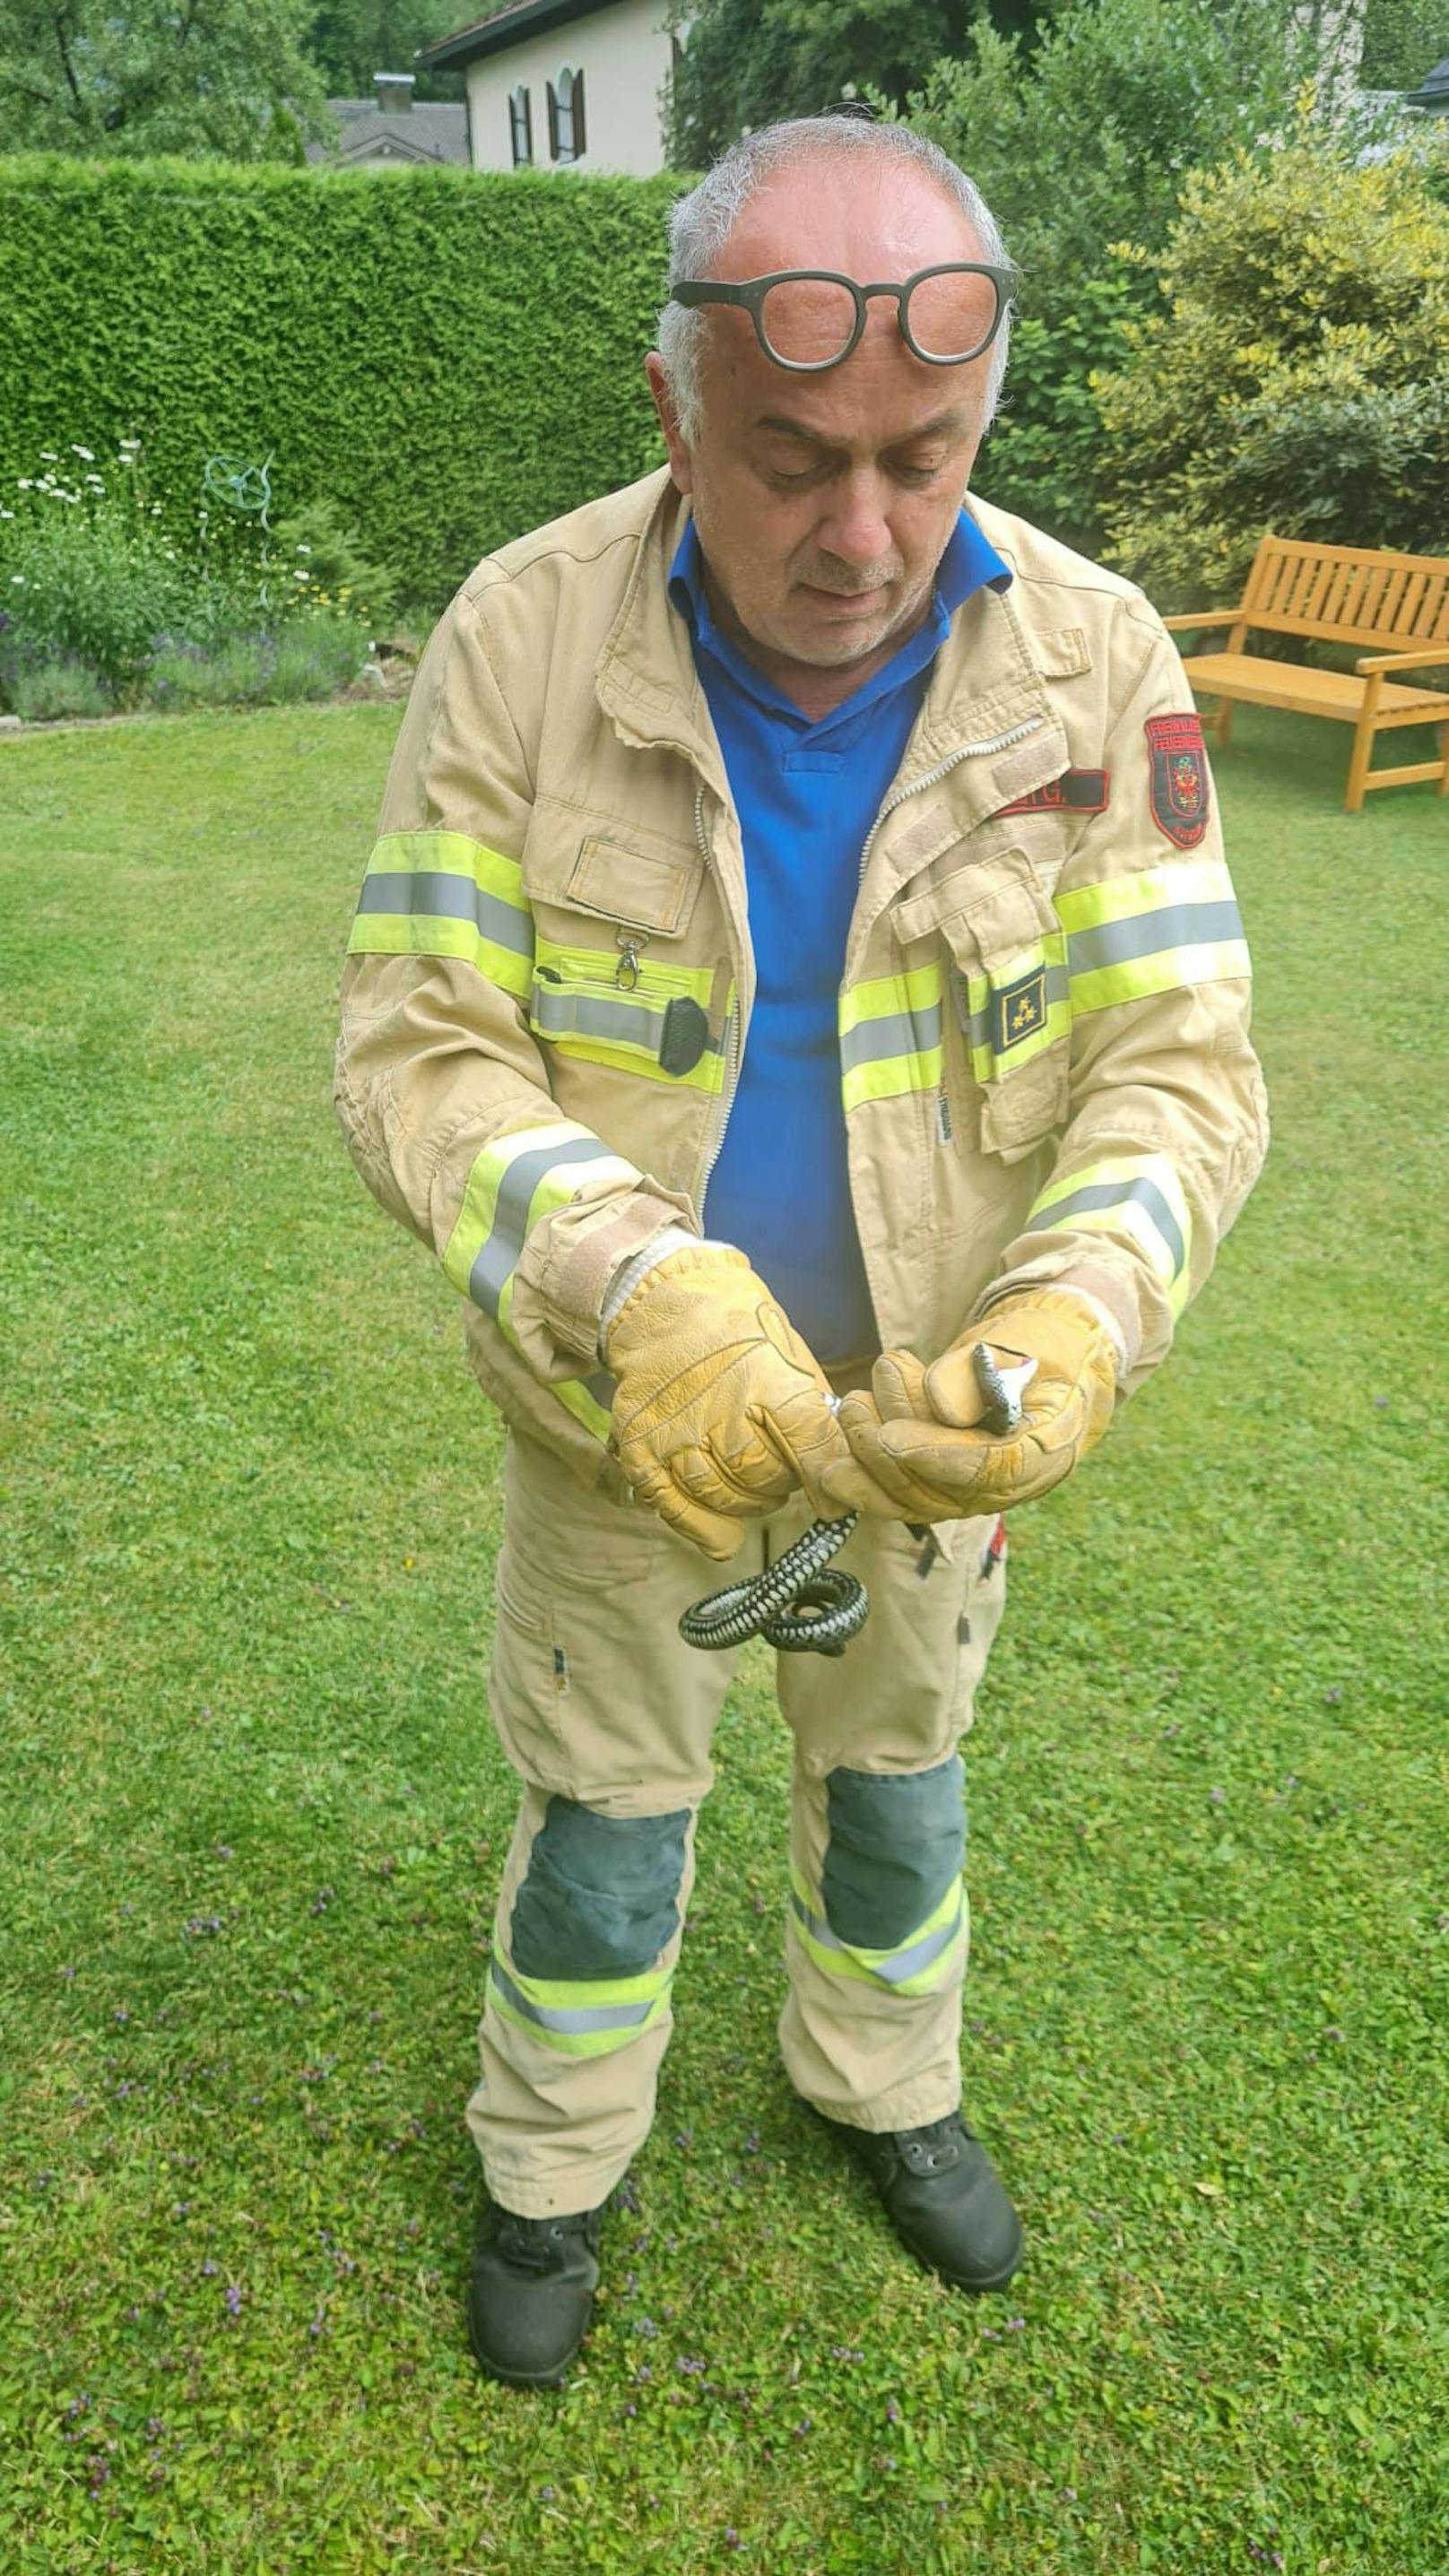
679	456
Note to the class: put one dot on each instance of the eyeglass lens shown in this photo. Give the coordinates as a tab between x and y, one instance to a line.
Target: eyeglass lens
808	321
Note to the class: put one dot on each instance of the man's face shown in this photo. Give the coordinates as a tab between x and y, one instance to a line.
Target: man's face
824	503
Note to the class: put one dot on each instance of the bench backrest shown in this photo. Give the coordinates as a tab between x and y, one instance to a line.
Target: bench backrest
1349	594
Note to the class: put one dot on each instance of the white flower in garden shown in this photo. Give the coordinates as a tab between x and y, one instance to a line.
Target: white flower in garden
20	577
95	482
86	454
155	509
25	484
125	460
50	456
7	514
304	550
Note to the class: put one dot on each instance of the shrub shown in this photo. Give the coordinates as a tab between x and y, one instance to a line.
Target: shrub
313	654
1298	378
447	356
104	609
47	690
330	556
1076	146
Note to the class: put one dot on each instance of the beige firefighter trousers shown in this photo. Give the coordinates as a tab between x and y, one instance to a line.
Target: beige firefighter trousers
608	1716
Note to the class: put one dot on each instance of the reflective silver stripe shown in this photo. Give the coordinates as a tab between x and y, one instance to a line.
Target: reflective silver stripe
899	1033
573	2017
1142	934
901	1964
560	1012
978	1025
1111	1194
451	898
494	1265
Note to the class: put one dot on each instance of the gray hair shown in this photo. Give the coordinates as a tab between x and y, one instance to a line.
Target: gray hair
701	223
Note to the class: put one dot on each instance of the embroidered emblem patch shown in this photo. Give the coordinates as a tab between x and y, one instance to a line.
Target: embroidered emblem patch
1018	1010
1179	778
1077	791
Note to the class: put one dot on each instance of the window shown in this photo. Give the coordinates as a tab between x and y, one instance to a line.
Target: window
566	116
520	125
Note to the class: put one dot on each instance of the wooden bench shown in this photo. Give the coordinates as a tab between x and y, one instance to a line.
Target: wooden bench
1338	595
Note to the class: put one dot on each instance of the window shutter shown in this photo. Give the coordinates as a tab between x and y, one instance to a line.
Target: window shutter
552	121
578	108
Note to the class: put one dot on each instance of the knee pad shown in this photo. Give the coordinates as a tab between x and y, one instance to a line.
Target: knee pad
600	1895
896	1843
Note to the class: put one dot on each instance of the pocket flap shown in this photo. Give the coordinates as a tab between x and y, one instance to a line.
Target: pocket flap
640	889
989	909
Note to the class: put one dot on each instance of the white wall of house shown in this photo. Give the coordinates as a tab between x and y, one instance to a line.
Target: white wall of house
623	54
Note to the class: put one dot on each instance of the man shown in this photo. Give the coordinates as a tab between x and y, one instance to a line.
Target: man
798	951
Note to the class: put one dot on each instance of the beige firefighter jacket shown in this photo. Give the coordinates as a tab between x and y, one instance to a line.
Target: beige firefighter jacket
1045	1065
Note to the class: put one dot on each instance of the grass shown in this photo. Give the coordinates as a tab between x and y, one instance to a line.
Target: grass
256	1814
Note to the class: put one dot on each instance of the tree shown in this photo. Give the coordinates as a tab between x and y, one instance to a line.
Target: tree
228	77
349	40
741	65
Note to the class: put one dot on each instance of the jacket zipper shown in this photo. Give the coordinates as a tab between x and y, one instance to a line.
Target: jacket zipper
933	777
731	1039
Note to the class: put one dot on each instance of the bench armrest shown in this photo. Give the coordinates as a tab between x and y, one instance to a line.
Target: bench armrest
1203	617
1417	661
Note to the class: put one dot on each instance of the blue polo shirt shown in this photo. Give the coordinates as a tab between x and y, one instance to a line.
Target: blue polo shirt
806	795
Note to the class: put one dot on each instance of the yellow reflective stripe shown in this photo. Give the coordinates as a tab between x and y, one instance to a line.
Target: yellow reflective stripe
1167	970
579	1008
939	1939
1139	1195
891	1036
598	967
1158	931
513	1184
1149	890
600	2042
576	1399
987	1063
895	1075
880	996
440	894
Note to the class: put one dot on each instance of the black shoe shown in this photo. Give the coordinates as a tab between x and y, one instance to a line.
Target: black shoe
944	2198
532	2294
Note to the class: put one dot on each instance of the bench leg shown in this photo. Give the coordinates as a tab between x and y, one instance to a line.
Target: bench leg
1358	768
1223	722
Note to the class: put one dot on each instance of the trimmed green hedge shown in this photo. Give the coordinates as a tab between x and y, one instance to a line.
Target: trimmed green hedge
452	356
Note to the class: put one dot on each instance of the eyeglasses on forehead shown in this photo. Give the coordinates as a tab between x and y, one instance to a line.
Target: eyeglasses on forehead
810	319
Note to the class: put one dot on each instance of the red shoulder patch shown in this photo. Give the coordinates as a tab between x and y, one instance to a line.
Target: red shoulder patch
1179	783
1077	791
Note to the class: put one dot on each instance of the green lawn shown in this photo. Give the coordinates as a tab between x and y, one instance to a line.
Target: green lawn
256	1811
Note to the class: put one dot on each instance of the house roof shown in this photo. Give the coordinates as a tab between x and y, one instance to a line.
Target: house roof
433	130
499	28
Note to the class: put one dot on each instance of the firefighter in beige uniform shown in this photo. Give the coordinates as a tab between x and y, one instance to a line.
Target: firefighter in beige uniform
1042	1103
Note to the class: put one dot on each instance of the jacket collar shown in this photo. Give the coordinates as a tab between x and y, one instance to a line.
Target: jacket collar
988	684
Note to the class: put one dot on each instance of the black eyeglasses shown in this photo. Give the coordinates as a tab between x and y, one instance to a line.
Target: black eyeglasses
808	319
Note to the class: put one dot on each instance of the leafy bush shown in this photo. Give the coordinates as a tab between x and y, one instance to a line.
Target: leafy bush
102	608
447	356
1078	145
1298	378
329	556
315	653
46	690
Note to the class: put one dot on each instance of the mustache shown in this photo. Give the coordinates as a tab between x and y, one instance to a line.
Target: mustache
846	582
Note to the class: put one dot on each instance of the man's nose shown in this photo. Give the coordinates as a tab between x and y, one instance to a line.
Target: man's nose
854	526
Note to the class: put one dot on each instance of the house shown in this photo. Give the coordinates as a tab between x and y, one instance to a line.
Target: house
554	83
389	131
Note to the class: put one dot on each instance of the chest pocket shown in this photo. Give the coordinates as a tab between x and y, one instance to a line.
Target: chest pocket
1007	996
610	983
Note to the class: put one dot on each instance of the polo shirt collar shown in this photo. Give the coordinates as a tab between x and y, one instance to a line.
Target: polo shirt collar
970	563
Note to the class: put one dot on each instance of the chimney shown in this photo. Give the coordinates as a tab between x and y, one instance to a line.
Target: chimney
392	92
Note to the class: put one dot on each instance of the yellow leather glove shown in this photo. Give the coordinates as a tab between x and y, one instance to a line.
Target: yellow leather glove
720	1411
918	1434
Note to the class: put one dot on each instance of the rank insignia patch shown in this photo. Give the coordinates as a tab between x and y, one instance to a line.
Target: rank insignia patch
1077	791
1018	1011
1179	778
